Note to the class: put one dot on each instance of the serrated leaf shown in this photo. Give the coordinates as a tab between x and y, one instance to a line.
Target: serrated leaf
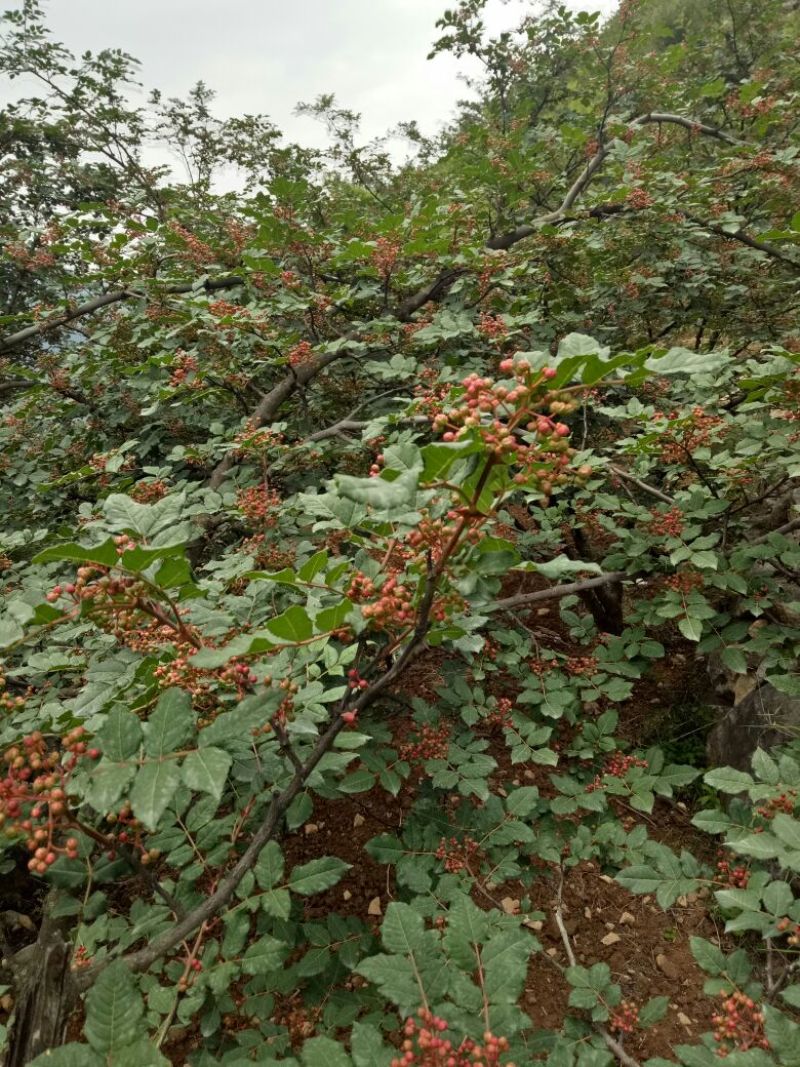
121	735
653	1011
153	789
710	958
114	1010
728	780
206	769
293	625
734	659
324	1052
403	929
786	829
692	629
269	865
317	876
171	725
264	956
105	554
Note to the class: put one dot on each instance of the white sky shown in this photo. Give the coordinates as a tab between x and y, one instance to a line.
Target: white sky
264	56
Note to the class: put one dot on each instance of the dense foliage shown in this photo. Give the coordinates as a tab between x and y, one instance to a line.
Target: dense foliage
286	474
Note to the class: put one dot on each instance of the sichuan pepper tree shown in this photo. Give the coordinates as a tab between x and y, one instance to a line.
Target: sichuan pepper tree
264	451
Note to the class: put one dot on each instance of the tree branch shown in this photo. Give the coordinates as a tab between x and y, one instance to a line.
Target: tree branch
99	302
557	591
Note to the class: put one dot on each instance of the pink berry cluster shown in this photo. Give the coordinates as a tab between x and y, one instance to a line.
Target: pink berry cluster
455	854
500	715
300	354
625	1018
497	412
785	803
392	609
432	743
355	681
425	1046
736	877
739	1025
616	766
385	255
127	830
666	523
185	372
149	492
492	328
580	666
33	797
259	505
433	535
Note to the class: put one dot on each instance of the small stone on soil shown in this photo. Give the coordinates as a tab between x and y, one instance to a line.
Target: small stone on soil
375	907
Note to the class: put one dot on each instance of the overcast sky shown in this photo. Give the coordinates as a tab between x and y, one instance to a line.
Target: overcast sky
267	55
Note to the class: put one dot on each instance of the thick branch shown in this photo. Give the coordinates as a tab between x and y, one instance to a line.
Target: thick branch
91	306
555	592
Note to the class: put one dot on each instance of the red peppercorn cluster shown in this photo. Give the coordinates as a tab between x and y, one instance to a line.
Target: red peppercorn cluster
785	803
684	582
198	251
127	830
501	714
434	535
268	556
300	354
739	1025
500	414
666	523
639	199
33	798
259	505
361	588
581	666
149	492
794	937
392	609
432	743
385	255
735	877
80	959
695	433
355	681
456	854
7	701
182	367
616	766
625	1018
492	328
425	1046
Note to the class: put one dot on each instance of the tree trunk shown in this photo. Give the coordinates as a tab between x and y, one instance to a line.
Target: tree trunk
44	993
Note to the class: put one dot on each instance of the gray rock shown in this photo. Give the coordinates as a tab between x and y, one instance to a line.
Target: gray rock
763	719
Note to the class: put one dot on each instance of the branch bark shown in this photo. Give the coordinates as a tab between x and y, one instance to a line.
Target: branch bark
91	306
557	591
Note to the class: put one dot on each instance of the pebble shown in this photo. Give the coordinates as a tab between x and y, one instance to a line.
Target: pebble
607	879
626	919
587	913
358	820
509	905
667	967
610	939
375	907
347	895
528	773
684	1020
552	952
311	828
